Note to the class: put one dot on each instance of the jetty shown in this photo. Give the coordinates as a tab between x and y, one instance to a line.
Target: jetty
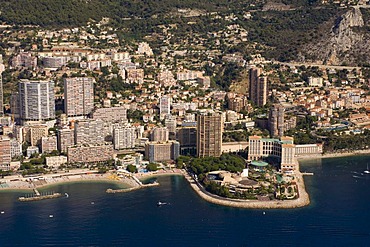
307	173
112	191
39	197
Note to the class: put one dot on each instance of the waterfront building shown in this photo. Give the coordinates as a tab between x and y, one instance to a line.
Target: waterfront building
78	96
5	150
88	154
56	161
36	100
209	134
12	166
124	137
159	134
162	151
257	87
308	149
283	149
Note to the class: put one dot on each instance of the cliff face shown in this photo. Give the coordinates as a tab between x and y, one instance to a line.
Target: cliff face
342	44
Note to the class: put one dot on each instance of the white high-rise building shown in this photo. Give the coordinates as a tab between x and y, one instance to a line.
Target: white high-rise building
124	137
36	100
164	106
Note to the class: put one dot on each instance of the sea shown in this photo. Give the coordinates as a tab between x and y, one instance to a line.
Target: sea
339	214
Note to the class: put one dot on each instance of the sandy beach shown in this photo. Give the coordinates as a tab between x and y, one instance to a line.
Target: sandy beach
147	175
21	183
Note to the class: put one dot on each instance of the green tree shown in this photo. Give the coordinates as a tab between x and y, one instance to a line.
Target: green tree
131	168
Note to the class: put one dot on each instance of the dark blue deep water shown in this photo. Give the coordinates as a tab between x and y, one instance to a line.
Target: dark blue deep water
339	215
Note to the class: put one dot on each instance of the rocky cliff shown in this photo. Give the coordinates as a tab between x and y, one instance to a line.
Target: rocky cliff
345	43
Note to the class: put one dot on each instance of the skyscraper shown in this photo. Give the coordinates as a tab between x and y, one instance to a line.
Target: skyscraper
276	120
159	134
5	154
78	96
1	87
257	87
164	106
124	137
36	100
209	134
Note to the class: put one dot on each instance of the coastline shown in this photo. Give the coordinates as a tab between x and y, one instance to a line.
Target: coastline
19	186
302	201
334	155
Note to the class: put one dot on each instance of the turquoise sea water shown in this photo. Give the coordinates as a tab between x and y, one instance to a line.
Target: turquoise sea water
338	215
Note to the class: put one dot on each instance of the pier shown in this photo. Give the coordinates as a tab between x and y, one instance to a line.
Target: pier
112	191
307	173
39	197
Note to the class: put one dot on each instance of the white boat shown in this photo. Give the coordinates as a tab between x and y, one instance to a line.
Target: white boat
51	216
367	171
66	194
159	203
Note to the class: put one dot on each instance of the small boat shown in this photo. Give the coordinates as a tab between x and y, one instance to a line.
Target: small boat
66	194
92	203
51	216
159	203
2	212
367	171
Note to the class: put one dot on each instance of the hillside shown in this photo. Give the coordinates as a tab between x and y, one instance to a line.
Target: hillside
285	30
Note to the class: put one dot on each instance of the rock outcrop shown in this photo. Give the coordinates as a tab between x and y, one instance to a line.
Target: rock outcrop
342	44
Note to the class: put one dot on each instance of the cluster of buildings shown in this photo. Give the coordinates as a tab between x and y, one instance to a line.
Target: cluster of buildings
163	109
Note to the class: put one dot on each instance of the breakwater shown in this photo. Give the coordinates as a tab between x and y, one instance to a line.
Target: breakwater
112	191
39	197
